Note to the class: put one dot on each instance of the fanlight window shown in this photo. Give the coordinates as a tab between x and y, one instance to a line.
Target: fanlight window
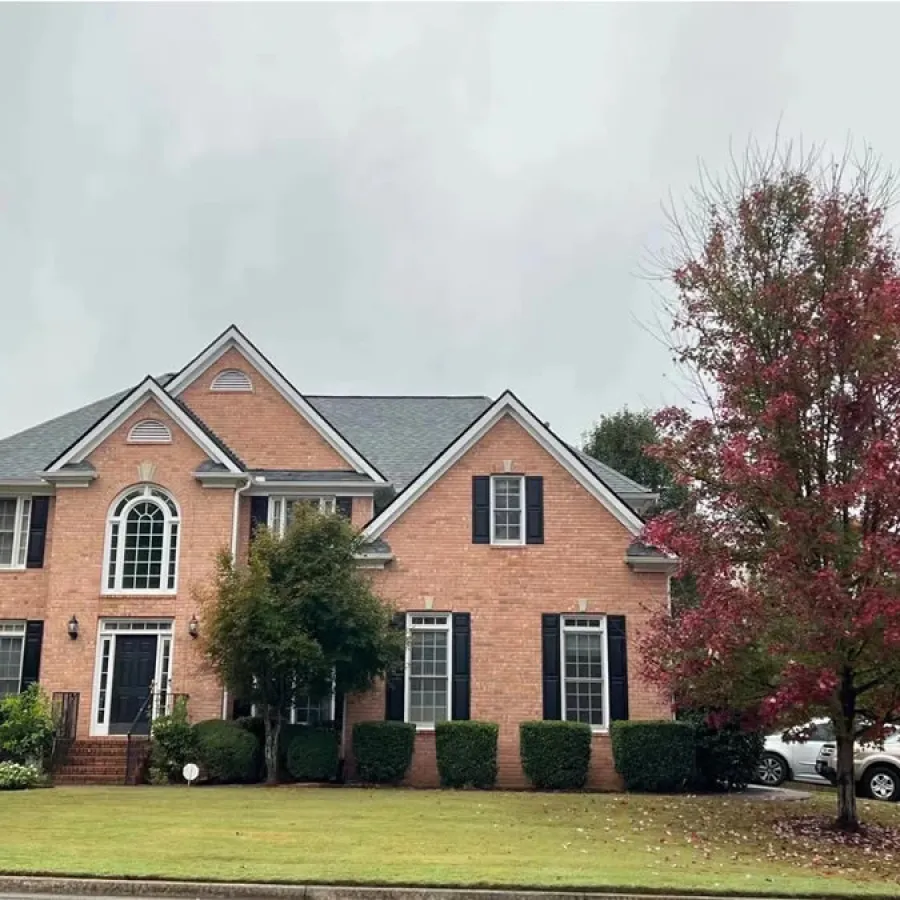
232	380
150	431
142	542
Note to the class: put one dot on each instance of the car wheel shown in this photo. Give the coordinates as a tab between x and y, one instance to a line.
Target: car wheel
882	783
772	770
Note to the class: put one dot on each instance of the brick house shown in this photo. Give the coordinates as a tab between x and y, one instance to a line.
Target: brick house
506	551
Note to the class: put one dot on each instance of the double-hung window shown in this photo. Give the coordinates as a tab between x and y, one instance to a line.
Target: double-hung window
585	679
507	509
428	670
12	653
281	510
15	518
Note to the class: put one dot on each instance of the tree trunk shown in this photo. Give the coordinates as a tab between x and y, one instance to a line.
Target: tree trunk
845	737
846	784
272	734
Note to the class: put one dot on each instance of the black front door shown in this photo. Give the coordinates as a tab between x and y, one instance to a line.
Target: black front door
133	671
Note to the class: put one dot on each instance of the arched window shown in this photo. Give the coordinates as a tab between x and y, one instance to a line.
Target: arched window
142	542
231	380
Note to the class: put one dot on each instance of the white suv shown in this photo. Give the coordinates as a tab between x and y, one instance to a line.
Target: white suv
784	757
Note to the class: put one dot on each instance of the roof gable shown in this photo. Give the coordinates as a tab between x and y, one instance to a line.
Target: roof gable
232	337
149	388
506	404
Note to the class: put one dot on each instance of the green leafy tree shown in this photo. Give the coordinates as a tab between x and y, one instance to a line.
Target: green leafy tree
299	618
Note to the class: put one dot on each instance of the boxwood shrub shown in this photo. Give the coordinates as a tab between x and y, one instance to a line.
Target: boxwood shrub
467	753
555	755
657	757
383	750
312	754
227	753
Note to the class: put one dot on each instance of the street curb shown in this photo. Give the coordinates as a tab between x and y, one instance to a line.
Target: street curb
54	887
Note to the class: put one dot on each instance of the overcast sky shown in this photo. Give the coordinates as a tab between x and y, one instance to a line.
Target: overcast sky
386	198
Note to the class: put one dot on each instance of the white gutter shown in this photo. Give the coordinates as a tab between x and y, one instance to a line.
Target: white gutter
235	516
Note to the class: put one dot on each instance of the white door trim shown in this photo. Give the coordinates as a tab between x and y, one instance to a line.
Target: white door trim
107	630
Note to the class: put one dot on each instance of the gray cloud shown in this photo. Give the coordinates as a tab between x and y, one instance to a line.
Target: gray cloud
398	198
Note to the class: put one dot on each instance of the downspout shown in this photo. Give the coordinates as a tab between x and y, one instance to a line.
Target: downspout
235	516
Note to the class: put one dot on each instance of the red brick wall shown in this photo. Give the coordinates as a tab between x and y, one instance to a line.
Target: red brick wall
74	564
261	427
506	590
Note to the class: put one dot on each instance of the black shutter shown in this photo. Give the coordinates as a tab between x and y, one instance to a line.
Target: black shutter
259	513
550	654
462	665
534	509
37	532
344	507
395	686
31	663
481	509
618	668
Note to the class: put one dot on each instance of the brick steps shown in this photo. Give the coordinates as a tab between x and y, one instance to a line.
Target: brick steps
95	761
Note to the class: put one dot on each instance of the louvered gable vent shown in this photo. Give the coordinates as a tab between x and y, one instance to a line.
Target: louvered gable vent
232	380
150	431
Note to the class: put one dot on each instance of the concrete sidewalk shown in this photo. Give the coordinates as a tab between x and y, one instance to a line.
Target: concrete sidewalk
14	887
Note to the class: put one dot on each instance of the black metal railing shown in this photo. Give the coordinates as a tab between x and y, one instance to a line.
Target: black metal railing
156	704
65	717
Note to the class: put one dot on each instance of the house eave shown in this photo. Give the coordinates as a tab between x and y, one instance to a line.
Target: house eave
221	479
649	564
34	486
70	479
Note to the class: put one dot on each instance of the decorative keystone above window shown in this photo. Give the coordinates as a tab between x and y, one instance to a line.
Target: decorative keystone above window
233	380
150	431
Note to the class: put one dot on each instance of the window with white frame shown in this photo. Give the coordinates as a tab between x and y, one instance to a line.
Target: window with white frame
15	518
142	542
585	681
12	653
281	510
507	509
428	671
312	712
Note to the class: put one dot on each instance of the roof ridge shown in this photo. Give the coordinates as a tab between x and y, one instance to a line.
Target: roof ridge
208	431
398	396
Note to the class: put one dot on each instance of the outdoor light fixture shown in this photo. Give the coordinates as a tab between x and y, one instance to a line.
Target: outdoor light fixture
193	627
72	628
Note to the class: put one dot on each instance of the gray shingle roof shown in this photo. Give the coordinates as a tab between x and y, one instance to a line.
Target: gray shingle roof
615	481
301	475
400	435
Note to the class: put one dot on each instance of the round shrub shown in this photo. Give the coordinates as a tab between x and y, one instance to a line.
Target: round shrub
312	755
383	750
26	726
227	753
174	744
467	753
656	757
555	755
17	777
728	754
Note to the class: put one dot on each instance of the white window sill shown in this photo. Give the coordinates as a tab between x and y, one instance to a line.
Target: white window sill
147	593
503	545
12	568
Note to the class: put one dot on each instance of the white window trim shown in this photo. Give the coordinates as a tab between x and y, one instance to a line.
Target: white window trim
447	626
162	627
495	541
277	516
565	629
15	628
19	547
112	519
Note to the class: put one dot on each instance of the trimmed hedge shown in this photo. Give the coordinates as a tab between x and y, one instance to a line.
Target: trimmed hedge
555	755
312	755
728	755
467	753
383	750
656	757
226	752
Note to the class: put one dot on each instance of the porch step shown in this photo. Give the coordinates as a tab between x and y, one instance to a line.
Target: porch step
98	761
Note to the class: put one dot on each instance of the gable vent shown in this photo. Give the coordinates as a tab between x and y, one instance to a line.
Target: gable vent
150	431
231	380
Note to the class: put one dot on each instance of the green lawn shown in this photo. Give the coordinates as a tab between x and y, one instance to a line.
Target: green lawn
434	837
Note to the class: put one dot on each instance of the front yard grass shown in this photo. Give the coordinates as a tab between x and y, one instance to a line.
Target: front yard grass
351	835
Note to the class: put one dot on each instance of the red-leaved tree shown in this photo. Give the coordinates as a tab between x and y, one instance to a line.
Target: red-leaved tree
787	313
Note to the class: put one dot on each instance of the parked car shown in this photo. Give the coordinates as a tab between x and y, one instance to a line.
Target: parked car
792	754
875	768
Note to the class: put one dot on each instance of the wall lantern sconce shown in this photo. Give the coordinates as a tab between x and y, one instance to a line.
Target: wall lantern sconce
72	628
193	627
